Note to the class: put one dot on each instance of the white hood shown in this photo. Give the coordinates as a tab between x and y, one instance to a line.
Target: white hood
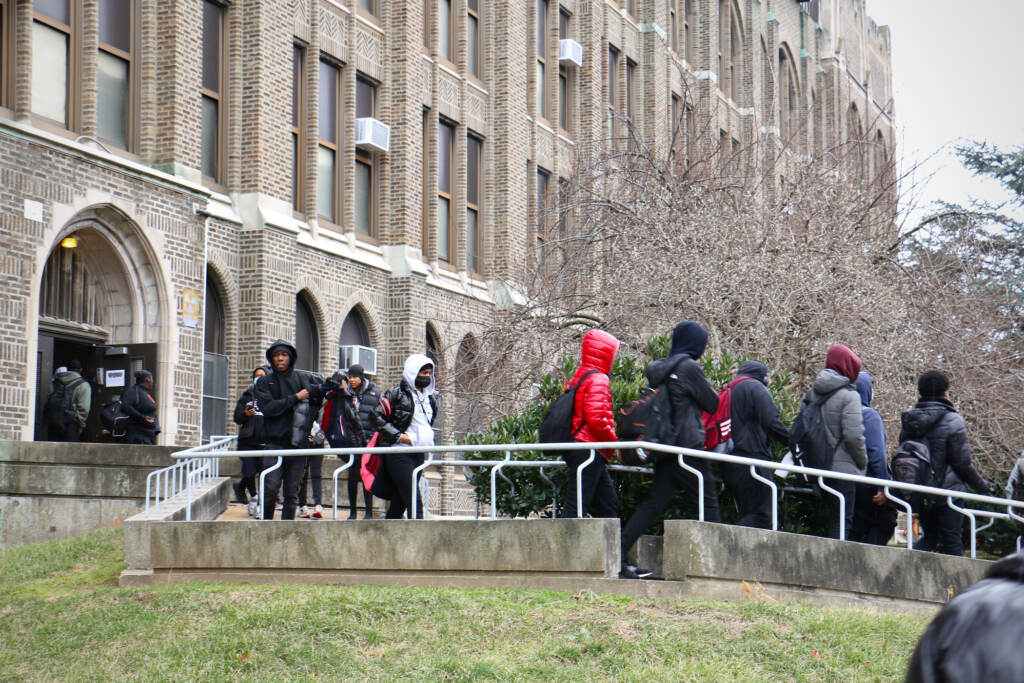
413	365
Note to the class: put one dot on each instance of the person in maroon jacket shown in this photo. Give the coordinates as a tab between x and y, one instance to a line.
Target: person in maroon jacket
593	421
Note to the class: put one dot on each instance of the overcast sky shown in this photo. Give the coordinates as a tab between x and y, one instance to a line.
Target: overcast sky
958	74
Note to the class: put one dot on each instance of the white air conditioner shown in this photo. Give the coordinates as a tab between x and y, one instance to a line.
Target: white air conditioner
363	355
373	134
570	51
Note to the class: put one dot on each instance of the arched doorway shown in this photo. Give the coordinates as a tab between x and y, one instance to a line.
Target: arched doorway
101	303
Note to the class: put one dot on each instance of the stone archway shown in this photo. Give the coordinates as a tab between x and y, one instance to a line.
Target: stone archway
100	300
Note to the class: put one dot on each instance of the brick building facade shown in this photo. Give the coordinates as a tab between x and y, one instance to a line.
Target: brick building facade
210	161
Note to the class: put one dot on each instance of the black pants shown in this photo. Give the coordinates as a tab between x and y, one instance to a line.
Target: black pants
599	498
872	523
399	468
313	471
353	492
669	477
251	467
943	526
289	473
849	491
137	434
753	498
65	433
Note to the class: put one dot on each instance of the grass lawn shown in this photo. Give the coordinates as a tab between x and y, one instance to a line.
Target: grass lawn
65	618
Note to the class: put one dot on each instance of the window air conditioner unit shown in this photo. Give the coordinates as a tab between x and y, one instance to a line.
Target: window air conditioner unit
373	135
363	355
570	51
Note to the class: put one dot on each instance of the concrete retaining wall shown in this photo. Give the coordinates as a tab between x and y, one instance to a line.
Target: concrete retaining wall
55	490
716	558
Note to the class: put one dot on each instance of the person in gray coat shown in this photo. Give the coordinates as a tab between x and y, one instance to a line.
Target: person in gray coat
844	427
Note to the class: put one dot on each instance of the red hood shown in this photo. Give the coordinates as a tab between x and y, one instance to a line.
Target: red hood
844	361
598	352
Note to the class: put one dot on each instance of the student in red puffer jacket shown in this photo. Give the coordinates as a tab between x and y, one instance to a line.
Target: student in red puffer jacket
593	421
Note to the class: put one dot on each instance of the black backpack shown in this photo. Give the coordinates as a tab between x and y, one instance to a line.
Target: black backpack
556	426
912	464
647	418
114	419
808	437
58	411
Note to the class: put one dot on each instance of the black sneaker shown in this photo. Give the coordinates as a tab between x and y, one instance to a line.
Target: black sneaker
240	496
630	571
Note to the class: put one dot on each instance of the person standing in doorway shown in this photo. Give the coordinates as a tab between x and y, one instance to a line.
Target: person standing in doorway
67	408
405	417
140	406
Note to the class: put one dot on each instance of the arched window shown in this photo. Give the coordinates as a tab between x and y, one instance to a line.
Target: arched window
213	332
307	338
433	347
788	97
469	409
881	157
855	138
768	84
216	366
354	343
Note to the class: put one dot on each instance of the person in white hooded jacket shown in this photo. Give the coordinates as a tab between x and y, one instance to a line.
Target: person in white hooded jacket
405	417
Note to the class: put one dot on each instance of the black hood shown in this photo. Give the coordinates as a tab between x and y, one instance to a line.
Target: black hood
690	338
919	421
279	345
755	369
1011	567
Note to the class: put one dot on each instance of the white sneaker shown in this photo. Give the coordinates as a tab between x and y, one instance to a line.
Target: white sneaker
304	512
318	512
254	506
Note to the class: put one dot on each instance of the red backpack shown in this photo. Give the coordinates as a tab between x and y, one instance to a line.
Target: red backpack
718	425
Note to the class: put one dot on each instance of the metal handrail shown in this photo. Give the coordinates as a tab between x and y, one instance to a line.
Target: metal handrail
180	476
497	465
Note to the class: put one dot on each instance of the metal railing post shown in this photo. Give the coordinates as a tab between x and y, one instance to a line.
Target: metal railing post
415	488
910	516
263	486
554	493
579	483
700	486
842	506
974	524
775	495
494	485
351	460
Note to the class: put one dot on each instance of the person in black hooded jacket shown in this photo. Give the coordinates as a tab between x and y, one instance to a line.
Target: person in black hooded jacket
976	635
280	395
935	422
250	436
690	394
755	424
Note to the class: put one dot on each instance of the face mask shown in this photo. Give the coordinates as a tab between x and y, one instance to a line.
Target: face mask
422	382
255	379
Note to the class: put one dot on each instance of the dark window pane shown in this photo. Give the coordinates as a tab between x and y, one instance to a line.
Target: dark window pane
298	58
328	102
364	197
213	335
55	9
473	171
444	158
472	240
613	70
354	331
307	339
444	46
444	223
473	5
115	23
211	45
49	72
472	46
366	93
563	102
563	24
542	193
366	5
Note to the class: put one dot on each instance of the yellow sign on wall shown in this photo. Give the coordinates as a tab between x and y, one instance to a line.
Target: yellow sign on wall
190	305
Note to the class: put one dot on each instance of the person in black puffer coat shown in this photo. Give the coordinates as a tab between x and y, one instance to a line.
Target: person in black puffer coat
282	395
934	421
343	429
140	406
755	424
250	436
404	418
975	637
366	397
691	394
